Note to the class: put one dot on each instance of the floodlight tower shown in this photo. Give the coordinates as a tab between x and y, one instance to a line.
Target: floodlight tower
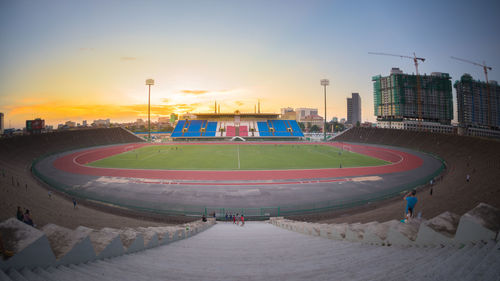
149	83
324	83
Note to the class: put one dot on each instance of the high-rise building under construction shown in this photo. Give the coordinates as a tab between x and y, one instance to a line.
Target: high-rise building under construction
396	101
478	103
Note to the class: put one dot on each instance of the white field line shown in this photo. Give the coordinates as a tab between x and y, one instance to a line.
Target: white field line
148	156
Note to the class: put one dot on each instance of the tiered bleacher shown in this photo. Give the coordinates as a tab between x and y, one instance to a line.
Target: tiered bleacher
268	129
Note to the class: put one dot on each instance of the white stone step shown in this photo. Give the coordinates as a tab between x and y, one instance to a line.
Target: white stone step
480	223
4	277
57	274
489	269
72	274
30	245
422	263
392	266
44	275
15	275
261	251
106	243
473	260
439	230
90	272
445	267
30	275
70	246
403	234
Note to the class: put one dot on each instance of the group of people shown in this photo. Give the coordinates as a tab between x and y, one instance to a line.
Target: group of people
236	218
24	216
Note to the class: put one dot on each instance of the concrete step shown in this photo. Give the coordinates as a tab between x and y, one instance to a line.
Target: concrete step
57	274
70	246
473	260
106	243
44	275
261	251
15	275
30	275
30	246
439	230
479	224
73	274
4	276
489	268
445	266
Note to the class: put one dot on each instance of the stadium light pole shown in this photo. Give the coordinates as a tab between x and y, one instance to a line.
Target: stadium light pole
324	83
149	83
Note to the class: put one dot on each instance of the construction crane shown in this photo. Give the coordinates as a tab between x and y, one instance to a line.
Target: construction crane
415	60
485	69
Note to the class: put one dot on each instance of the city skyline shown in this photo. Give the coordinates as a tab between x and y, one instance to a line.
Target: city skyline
69	60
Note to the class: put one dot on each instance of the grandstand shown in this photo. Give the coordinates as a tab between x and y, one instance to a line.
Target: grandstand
246	125
90	244
478	157
20	188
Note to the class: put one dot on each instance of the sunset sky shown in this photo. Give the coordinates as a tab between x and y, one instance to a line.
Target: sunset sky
86	60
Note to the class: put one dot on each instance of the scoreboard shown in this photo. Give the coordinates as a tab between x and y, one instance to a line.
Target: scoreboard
35	126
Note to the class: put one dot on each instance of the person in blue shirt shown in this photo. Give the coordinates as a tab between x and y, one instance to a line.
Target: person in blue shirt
411	201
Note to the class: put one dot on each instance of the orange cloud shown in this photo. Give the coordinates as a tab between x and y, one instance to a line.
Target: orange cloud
57	112
194	92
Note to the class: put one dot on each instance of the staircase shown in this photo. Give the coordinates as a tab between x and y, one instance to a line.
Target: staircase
447	247
261	251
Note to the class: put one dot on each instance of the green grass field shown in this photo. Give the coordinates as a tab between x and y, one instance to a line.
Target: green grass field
237	157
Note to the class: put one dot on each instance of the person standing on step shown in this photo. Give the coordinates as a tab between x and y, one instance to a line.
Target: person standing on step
242	220
411	201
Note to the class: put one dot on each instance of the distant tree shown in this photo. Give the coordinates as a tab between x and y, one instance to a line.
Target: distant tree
357	124
168	128
302	126
315	129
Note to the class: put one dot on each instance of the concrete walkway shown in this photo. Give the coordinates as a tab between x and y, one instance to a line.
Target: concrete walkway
261	251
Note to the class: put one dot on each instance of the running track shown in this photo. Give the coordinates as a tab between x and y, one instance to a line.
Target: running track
75	163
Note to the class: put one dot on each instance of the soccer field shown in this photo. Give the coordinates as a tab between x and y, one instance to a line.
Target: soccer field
237	157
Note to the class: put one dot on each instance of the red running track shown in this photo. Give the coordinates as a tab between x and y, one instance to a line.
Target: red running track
75	163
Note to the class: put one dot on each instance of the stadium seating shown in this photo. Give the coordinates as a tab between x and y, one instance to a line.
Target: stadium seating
178	129
230	131
297	132
194	128
211	130
263	129
270	128
280	129
243	131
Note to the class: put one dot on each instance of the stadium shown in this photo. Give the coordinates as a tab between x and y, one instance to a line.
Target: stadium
375	155
142	195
